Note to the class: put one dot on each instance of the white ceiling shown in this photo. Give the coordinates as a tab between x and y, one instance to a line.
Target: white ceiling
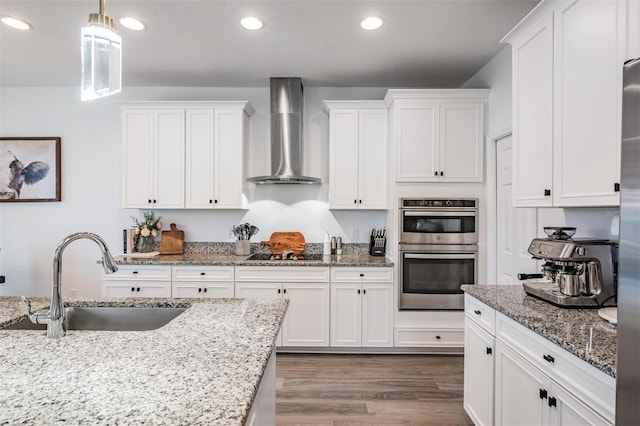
423	43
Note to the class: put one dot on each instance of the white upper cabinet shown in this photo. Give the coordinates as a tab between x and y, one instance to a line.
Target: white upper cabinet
438	134
357	154
589	50
153	158
184	155
216	142
567	80
533	117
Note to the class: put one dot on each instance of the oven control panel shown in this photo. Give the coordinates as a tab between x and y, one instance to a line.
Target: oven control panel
437	202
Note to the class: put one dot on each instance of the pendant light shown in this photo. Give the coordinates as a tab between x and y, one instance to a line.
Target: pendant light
101	54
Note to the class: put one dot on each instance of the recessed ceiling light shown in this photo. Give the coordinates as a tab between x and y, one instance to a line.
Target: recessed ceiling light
251	23
371	23
16	23
132	23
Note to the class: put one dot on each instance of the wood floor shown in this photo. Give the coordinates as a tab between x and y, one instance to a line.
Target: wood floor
369	390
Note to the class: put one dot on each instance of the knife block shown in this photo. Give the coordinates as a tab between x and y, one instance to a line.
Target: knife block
378	246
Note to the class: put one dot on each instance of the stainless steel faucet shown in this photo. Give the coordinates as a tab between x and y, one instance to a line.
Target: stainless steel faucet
54	318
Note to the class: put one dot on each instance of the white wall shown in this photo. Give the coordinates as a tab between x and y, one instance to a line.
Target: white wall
496	75
29	232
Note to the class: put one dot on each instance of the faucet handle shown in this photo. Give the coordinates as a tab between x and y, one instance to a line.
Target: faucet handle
27	303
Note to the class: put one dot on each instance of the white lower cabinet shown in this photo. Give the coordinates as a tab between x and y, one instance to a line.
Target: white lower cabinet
362	307
514	376
479	348
263	409
202	281
306	322
138	281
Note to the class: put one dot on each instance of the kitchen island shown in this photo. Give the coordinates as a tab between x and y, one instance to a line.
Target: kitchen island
203	367
528	359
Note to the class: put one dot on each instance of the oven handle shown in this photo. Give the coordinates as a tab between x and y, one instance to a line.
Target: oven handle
440	256
438	214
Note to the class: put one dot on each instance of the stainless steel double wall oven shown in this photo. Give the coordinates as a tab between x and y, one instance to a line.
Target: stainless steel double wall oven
438	251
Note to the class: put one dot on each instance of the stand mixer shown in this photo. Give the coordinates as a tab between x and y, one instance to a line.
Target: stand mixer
581	272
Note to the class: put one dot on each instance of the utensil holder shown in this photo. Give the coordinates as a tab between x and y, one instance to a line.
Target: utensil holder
243	248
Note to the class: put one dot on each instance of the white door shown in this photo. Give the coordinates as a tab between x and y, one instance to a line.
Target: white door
377	315
137	167
372	159
169	148
345	314
519	389
199	158
228	164
478	374
343	162
416	139
516	226
461	136
307	320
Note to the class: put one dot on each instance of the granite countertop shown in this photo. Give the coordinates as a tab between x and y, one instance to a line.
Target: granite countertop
359	260
580	331
203	367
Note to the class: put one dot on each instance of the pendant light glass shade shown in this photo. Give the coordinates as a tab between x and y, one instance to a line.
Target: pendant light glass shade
101	55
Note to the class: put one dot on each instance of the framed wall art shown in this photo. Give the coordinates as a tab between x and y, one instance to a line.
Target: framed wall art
29	169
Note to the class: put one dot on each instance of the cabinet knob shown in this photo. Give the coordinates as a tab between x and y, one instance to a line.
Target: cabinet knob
210	201
199	290
552	402
362	275
438	337
441	173
154	201
548	358
203	273
135	272
137	288
360	201
355	201
284	291
477	312
435	173
489	351
279	291
364	291
215	201
547	192
149	201
616	187
358	291
543	394
133	289
204	289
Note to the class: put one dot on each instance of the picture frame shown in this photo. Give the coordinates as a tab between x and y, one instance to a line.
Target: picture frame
30	169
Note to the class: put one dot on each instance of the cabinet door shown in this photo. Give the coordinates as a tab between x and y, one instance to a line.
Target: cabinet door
377	315
589	48
346	314
461	142
533	117
518	389
372	159
306	322
416	140
217	290
168	158
137	289
228	172
199	158
137	158
191	289
478	373
343	158
567	410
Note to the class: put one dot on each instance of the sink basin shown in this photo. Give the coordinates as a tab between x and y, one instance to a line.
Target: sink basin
109	319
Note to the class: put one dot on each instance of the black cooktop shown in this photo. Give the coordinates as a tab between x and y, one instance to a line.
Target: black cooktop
277	257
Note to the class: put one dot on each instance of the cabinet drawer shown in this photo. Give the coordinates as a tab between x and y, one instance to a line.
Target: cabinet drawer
480	313
140	273
202	273
424	337
339	274
589	384
137	289
286	274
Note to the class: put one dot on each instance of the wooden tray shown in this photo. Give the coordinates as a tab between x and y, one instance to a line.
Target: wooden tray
172	241
286	241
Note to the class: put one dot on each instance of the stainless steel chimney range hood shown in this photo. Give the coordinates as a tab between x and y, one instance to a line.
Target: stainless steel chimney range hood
286	134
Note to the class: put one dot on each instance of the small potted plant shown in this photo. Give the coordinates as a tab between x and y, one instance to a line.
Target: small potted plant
145	231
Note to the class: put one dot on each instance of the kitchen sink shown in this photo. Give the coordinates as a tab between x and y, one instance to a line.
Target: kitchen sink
109	319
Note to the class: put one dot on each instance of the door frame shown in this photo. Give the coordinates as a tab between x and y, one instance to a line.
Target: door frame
491	197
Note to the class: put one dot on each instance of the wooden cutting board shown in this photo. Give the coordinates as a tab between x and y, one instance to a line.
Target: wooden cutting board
172	241
285	241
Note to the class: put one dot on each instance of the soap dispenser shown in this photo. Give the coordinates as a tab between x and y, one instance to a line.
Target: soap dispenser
326	247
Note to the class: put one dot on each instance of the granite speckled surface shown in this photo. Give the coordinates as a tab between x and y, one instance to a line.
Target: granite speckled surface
579	331
223	254
203	367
